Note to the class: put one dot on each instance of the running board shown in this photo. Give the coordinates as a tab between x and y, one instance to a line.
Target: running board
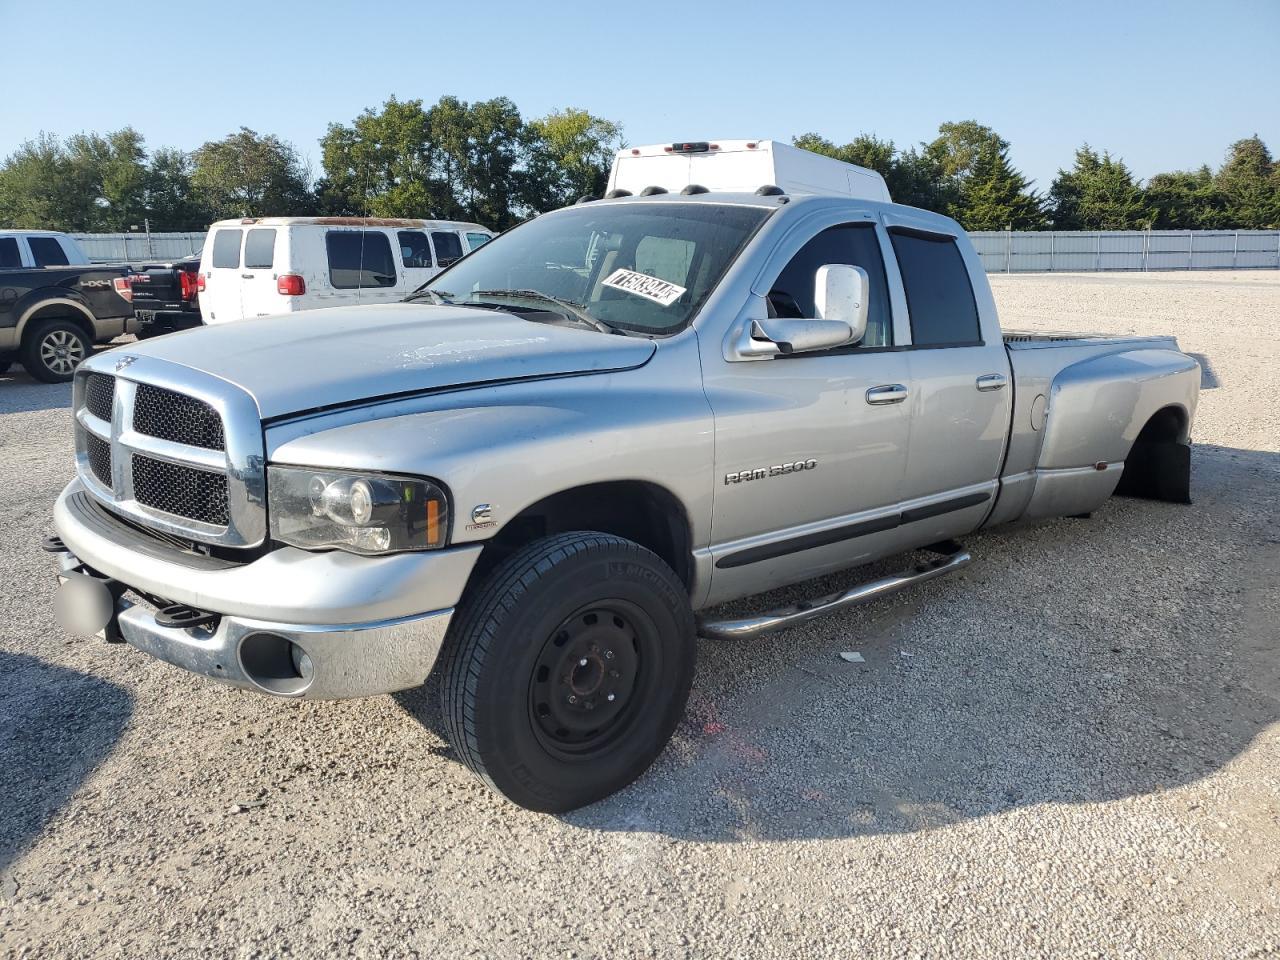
953	558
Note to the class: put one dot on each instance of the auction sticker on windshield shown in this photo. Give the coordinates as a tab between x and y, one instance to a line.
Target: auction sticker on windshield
643	285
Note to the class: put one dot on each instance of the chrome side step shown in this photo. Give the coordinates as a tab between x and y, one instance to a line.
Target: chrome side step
953	558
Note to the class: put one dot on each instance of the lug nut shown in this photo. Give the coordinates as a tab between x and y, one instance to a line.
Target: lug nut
614	674
572	698
611	698
590	704
608	654
582	662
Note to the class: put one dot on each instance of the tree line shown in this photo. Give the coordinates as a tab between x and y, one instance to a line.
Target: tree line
482	161
452	160
966	173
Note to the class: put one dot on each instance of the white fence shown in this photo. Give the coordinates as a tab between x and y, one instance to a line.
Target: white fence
1002	252
136	248
1045	251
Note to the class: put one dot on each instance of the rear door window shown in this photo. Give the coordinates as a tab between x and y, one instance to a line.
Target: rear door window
226	248
939	294
259	249
475	240
10	258
344	247
448	247
359	258
47	251
414	249
377	267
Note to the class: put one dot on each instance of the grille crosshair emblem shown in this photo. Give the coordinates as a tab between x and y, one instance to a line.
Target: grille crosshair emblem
124	362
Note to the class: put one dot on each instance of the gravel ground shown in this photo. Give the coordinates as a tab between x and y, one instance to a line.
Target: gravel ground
1071	749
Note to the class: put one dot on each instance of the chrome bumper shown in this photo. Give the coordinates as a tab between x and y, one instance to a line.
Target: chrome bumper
353	660
358	620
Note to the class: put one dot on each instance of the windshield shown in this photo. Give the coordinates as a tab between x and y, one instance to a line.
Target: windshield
643	267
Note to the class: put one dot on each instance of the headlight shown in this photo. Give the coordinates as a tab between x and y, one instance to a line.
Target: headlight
362	513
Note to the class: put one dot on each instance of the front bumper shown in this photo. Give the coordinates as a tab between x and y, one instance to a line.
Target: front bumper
358	620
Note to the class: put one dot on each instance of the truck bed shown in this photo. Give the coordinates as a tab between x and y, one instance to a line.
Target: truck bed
1039	339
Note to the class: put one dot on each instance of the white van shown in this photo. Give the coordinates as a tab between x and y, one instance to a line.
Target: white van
257	267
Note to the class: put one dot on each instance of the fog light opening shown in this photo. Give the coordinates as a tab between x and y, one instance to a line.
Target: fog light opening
276	664
302	664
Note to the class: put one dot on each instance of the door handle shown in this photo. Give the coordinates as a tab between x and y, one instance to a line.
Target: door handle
888	393
991	381
246	276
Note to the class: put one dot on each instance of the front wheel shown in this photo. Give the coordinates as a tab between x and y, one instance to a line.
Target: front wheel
52	351
568	669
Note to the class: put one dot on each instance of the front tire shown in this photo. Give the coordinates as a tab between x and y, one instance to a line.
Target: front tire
568	670
52	351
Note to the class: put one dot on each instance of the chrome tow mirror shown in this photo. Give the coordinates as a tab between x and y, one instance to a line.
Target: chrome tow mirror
841	292
768	338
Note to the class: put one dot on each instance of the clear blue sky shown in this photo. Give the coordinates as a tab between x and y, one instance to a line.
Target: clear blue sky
1165	85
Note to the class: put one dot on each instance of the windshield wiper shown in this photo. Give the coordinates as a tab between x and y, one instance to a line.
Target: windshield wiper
574	311
435	296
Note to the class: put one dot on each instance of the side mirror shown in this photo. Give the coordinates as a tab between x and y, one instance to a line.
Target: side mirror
768	338
841	293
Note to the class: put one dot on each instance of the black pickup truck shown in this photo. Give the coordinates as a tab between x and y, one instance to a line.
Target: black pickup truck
166	297
54	309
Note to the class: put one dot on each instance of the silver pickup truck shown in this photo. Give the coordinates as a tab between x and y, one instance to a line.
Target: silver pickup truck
540	476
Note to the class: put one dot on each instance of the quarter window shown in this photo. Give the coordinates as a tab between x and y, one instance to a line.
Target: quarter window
359	259
856	244
448	248
259	249
939	294
47	251
226	248
475	240
414	249
10	259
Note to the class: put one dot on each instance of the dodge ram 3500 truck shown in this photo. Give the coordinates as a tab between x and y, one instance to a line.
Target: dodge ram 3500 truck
540	476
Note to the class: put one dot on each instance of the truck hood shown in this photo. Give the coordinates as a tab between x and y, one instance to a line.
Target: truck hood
342	355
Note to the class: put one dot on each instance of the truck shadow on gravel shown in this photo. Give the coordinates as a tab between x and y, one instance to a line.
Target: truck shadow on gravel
21	394
1075	662
57	725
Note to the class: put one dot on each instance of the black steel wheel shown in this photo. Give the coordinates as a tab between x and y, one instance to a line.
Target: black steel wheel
590	682
568	669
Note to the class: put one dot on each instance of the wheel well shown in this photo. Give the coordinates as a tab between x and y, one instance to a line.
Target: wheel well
57	311
640	511
1166	425
1158	466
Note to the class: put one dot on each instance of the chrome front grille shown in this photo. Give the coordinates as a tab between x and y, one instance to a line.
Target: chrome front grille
181	491
173	416
99	395
99	452
172	449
